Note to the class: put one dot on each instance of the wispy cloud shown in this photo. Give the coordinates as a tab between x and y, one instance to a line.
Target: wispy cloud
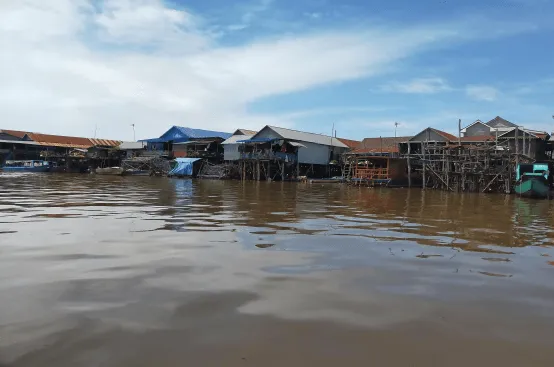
81	63
482	92
313	15
249	14
418	86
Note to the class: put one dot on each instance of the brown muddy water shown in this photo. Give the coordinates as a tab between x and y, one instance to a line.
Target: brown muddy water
115	271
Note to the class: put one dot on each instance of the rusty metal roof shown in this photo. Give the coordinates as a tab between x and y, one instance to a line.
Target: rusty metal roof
70	141
476	138
105	143
385	144
16	133
350	143
60	141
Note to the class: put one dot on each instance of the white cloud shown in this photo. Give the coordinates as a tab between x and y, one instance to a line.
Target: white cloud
250	13
314	15
69	65
419	86
482	92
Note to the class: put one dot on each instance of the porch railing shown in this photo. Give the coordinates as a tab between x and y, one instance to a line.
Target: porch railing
289	157
372	173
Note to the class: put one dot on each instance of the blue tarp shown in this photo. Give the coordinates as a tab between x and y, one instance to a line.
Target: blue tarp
183	167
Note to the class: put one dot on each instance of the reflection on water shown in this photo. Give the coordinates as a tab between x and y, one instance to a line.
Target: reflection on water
121	271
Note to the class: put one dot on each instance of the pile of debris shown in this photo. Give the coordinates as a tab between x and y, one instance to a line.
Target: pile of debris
218	171
154	166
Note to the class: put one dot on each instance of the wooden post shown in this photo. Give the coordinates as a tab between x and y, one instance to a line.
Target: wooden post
282	171
524	151
268	178
459	131
424	167
447	163
517	145
258	170
409	166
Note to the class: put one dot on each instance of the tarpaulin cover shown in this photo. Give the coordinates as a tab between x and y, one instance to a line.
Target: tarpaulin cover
183	167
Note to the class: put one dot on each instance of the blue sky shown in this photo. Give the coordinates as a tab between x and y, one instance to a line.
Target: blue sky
76	66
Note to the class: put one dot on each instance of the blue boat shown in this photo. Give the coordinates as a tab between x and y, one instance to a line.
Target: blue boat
26	166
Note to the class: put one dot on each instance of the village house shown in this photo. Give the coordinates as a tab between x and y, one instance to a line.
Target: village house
375	161
187	142
231	145
496	132
279	152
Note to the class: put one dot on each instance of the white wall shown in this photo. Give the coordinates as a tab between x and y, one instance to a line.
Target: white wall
231	152
314	153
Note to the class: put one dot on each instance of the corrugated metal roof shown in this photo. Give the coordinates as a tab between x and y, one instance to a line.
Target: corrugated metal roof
193	142
235	139
105	143
132	145
245	132
200	133
321	139
70	141
16	133
476	138
385	144
444	134
20	142
60	141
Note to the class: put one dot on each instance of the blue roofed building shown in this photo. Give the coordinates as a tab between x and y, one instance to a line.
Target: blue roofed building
177	135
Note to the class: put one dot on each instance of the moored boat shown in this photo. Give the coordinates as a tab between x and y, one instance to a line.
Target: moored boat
533	180
26	166
111	171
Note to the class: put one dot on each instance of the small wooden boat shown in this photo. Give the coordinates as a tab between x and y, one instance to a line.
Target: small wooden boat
533	180
136	172
26	166
110	171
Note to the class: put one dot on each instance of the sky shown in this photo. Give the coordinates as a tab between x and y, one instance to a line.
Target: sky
96	67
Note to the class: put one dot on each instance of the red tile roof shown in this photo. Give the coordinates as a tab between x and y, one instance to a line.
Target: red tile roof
353	144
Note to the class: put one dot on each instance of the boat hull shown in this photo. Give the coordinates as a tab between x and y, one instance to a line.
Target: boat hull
110	171
25	169
533	188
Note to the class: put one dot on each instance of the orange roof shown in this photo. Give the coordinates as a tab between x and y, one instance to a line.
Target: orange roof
350	143
381	144
60	141
476	138
16	133
105	143
445	134
70	141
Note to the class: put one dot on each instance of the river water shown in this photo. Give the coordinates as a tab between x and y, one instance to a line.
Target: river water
140	271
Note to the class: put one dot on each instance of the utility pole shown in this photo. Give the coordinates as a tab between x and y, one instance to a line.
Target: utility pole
134	137
395	127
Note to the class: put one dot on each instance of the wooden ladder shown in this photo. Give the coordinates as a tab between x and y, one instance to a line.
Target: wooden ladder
347	174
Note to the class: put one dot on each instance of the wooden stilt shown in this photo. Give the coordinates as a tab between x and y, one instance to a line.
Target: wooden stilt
409	159
424	166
